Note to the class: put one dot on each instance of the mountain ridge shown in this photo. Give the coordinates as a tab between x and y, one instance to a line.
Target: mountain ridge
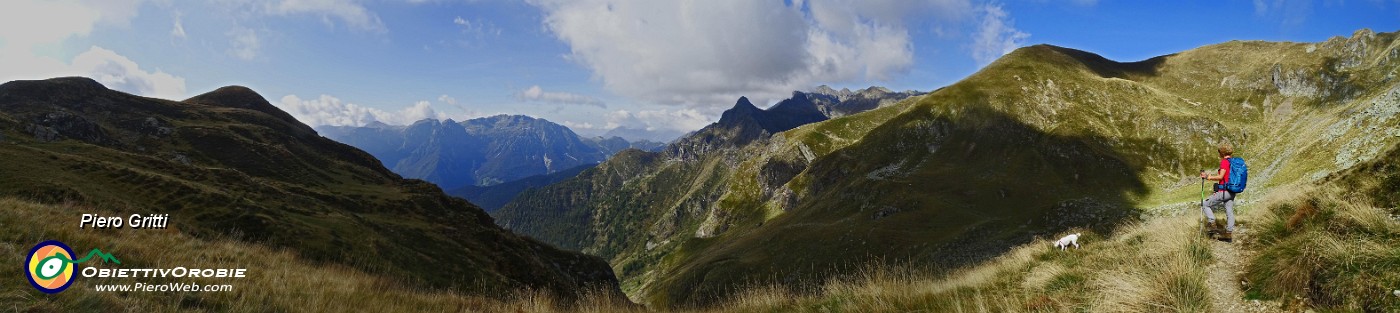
224	168
481	151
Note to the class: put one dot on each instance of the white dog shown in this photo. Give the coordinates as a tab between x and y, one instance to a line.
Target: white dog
1071	239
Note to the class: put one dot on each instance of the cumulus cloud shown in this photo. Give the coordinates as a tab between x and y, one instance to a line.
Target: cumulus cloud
329	110
996	36
120	73
535	93
244	43
682	120
25	23
447	99
26	26
711	52
106	66
116	12
655	125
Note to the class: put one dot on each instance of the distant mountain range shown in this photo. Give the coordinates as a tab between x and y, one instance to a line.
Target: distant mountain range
229	165
482	151
745	123
493	197
643	134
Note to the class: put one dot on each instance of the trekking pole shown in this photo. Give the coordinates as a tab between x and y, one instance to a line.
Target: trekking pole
1202	227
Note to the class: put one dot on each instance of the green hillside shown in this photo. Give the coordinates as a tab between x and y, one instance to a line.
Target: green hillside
1044	140
227	164
280	280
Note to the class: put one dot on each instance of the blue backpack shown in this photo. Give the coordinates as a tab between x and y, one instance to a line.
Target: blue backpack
1239	176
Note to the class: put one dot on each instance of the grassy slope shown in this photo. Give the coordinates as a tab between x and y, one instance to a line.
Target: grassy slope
678	190
1332	246
1157	116
1336	245
278	280
1328	246
252	175
877	185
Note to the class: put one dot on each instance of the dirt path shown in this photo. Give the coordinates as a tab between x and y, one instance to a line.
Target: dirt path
1225	277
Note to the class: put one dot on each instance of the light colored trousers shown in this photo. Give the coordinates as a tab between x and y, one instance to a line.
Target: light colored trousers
1214	200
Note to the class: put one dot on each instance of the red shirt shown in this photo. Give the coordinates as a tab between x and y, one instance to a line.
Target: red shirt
1224	172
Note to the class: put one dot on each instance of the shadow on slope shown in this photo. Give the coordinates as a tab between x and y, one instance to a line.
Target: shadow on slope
938	190
1108	68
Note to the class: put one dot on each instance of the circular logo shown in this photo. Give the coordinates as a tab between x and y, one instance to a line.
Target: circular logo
50	266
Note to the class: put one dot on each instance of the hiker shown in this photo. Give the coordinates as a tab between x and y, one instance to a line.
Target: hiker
1226	189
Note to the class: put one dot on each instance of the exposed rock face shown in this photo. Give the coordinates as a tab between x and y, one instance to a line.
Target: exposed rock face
1294	83
746	123
838	103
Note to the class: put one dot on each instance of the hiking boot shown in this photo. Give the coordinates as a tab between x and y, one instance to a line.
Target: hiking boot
1227	236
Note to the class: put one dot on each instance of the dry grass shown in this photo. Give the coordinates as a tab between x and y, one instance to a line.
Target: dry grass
1150	267
1339	254
1318	248
277	280
1328	248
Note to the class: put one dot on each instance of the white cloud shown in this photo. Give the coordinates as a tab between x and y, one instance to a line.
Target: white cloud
178	31
28	26
447	99
120	73
479	28
711	52
996	36
116	12
244	43
329	110
581	126
350	12
26	23
1289	12
680	120
106	66
535	93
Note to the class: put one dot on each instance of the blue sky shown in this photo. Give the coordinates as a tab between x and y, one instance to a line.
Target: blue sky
594	65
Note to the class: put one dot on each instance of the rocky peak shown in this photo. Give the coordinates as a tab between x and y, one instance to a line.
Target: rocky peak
425	123
378	125
501	121
845	94
741	110
874	91
744	104
1352	51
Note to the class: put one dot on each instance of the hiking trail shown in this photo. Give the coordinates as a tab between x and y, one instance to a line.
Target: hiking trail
1225	278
